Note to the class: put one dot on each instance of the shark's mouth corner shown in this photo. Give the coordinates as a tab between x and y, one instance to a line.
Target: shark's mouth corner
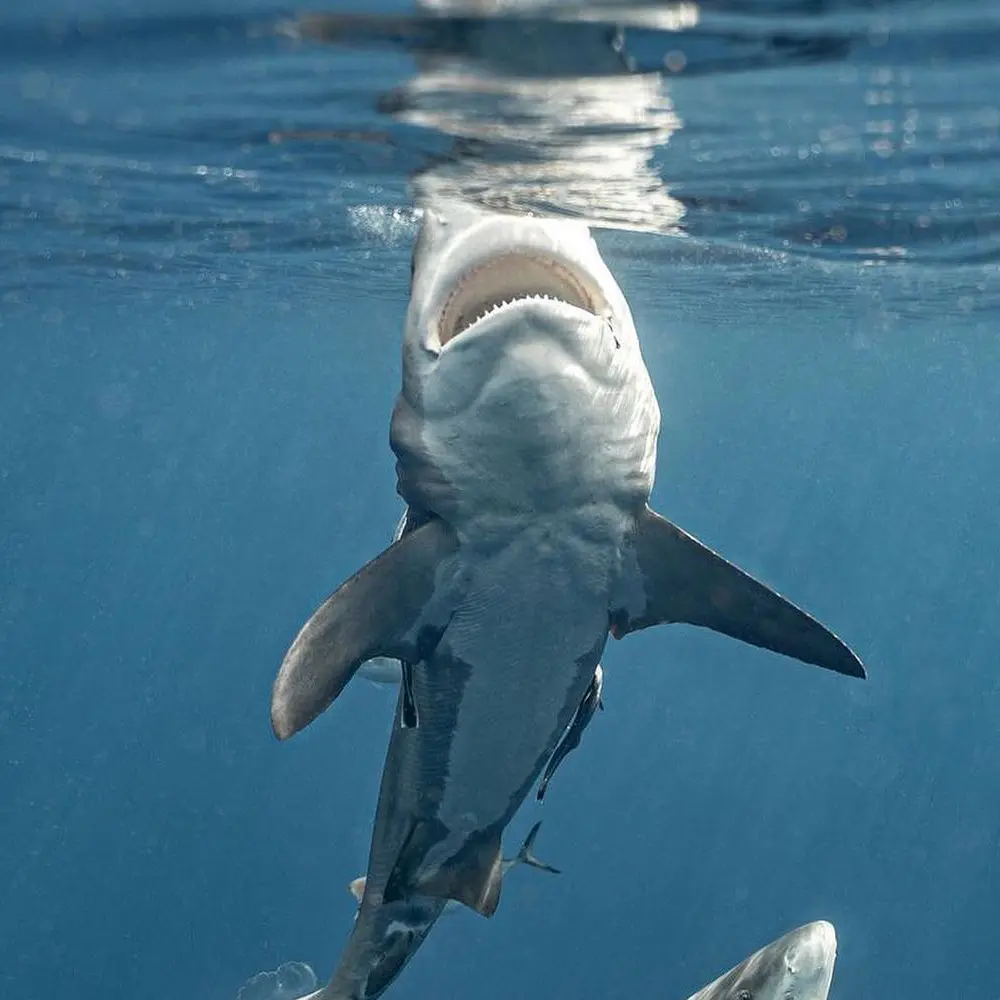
510	278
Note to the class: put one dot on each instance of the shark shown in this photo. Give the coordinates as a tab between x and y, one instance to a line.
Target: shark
797	966
525	434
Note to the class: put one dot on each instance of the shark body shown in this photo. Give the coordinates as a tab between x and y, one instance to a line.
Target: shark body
525	435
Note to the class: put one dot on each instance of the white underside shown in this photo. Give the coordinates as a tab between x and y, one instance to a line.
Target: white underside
535	438
539	435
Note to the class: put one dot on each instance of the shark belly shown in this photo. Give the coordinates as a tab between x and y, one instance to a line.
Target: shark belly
502	686
525	431
539	462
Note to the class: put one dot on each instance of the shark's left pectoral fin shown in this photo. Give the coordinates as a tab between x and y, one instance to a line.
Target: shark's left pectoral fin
684	581
373	614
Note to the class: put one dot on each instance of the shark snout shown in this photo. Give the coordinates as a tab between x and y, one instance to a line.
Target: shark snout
810	958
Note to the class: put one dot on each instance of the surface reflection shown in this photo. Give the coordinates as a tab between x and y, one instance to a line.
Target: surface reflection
544	116
564	108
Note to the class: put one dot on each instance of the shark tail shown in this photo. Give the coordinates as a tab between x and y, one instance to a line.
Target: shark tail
526	856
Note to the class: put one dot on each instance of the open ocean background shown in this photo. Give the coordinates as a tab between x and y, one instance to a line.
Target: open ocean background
206	215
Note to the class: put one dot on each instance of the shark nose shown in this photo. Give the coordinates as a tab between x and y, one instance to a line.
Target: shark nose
815	951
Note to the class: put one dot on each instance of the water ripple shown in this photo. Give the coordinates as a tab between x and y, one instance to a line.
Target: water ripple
233	144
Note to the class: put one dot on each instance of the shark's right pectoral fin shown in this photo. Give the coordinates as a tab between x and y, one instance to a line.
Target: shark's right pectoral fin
684	581
374	613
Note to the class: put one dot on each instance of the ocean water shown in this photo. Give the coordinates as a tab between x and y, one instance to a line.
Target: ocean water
206	218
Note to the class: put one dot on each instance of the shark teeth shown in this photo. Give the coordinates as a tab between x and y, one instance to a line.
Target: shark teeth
489	310
504	280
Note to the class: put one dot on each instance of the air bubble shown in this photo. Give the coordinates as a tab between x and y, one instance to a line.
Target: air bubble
287	982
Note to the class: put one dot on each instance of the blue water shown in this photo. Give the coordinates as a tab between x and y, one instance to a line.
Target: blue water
206	218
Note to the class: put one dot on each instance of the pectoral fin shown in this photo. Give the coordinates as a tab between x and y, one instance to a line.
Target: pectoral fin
374	613
684	581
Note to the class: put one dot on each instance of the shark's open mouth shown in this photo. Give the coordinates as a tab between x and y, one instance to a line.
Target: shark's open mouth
511	278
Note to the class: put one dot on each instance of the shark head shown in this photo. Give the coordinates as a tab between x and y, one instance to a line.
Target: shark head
517	322
809	960
473	271
798	966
